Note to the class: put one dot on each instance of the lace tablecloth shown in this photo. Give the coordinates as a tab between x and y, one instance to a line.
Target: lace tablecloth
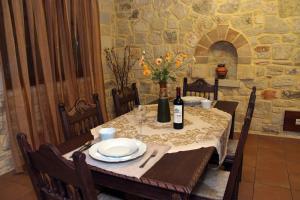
202	128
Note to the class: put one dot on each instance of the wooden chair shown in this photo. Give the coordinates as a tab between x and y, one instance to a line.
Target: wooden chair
125	103
201	88
56	178
219	184
232	143
81	118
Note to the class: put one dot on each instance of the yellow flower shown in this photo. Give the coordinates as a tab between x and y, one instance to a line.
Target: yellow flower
158	61
146	71
168	56
178	63
183	55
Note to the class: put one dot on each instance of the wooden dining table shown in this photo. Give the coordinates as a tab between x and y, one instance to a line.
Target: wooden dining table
173	177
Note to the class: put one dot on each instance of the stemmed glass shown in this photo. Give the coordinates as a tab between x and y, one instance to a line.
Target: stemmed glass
140	116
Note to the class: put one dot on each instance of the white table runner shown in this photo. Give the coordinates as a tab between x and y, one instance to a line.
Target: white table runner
202	128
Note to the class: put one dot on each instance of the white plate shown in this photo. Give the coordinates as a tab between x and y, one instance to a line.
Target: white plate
93	151
117	147
192	99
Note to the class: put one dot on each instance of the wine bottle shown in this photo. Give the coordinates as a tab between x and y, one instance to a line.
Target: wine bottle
178	111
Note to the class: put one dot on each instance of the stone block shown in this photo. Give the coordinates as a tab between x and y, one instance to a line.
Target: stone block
282	81
243	21
155	38
262	52
191	39
179	10
203	7
229	7
274	70
281	51
289	8
157	24
201	51
289	38
244	51
269	94
186	25
262	109
170	37
244	60
292	71
171	23
259	83
231	35
201	59
246	72
141	26
240	41
123	27
274	24
105	18
199	72
140	38
291	94
296	56
213	35
145	87
205	42
268	39
222	31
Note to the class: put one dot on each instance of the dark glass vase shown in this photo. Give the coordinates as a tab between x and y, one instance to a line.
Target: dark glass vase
163	110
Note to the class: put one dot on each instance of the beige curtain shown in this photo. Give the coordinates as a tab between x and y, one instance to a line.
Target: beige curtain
50	53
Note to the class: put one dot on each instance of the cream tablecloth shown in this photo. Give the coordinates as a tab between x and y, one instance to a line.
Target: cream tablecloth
202	128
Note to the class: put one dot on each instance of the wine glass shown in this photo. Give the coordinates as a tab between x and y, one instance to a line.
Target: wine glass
140	115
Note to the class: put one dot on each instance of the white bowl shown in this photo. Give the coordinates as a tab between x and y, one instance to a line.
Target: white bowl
206	103
107	133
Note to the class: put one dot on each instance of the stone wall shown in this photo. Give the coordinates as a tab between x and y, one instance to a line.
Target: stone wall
265	33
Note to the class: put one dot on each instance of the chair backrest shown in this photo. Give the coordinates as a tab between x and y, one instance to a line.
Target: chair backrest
54	177
125	102
81	117
233	181
201	88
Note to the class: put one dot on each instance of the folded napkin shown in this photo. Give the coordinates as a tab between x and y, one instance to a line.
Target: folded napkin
129	168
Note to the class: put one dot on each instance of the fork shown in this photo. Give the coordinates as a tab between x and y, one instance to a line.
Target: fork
153	154
84	147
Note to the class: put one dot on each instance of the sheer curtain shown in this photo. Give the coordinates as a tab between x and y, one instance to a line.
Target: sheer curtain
50	53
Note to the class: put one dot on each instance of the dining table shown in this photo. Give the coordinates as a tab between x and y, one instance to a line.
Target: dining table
184	158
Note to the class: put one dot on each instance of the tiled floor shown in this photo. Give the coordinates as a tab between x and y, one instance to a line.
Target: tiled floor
271	171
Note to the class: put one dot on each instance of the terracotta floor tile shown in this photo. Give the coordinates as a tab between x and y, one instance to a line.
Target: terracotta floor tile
248	174
296	194
250	160
293	167
272	177
265	192
13	191
270	159
292	156
28	196
269	142
295	181
245	191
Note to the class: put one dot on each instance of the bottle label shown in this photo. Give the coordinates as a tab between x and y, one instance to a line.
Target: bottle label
178	114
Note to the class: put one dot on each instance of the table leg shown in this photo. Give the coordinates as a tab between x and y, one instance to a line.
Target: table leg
232	127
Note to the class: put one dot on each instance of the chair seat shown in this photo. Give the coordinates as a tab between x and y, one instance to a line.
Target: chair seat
231	148
104	196
212	186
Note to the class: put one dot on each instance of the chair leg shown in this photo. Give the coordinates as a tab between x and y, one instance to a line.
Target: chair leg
240	170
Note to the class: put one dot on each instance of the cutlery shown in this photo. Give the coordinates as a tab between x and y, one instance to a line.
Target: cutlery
153	154
84	147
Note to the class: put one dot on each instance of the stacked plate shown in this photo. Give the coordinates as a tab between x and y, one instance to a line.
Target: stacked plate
117	150
192	100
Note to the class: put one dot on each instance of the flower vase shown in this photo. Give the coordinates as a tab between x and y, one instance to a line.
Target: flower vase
163	110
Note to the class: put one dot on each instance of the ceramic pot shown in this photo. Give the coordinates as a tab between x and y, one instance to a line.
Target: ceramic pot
163	109
221	71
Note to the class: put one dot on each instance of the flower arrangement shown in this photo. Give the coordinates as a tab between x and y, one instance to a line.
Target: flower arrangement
165	67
